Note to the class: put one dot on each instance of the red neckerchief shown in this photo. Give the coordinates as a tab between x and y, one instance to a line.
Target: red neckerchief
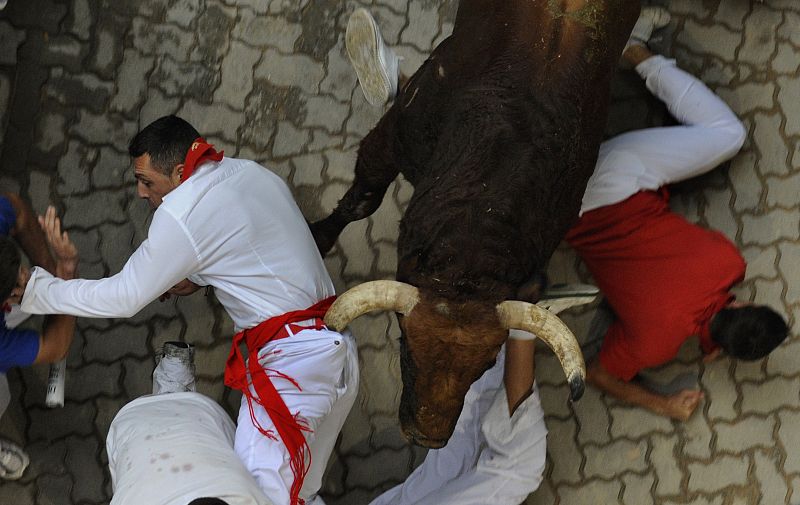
200	152
289	427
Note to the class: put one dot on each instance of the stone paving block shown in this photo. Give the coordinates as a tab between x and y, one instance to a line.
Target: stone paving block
614	459
768	228
379	466
786	61
592	415
748	97
422	32
211	120
260	31
379	380
783	360
46	457
386	432
565	455
108	171
80	212
553	402
104	129
768	473
720	389
716	41
290	70
638	489
93	380
789	435
723	472
789	88
157	105
769	292
385	222
697	435
634	422
387	259
133	74
186	79
700	500
50	132
138	377
215	24
324	112
745	433
10	40
340	78
591	493
81	460
110	345
74	168
544	495
237	75
771	395
85	90
159	39
771	145
289	140
51	489
72	419
761	262
64	50
759	36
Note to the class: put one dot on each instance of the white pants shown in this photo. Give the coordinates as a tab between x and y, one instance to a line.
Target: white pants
325	364
490	459
709	134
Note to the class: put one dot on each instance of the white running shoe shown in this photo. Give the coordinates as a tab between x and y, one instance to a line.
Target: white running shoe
174	372
13	460
650	19
375	64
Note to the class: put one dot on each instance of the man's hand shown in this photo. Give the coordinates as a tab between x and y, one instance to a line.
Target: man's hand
64	251
183	288
682	404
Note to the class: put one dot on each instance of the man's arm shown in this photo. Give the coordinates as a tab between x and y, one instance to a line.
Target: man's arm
58	330
678	406
29	235
160	262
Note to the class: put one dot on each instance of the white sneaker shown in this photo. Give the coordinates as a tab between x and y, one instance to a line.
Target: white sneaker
13	460
375	64
174	372
650	19
560	297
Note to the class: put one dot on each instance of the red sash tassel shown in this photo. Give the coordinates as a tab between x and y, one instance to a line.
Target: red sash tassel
290	427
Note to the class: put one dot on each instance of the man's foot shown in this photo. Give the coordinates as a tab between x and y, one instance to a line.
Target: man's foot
13	460
174	372
650	19
375	64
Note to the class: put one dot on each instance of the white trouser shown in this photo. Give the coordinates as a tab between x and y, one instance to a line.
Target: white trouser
490	459
709	134
325	365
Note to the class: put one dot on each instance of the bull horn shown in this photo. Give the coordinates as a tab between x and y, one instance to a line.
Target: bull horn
375	295
548	327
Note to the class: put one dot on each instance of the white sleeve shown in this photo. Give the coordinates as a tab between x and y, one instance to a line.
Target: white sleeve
165	258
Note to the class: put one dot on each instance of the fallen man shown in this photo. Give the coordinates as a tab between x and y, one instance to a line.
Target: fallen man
175	447
665	278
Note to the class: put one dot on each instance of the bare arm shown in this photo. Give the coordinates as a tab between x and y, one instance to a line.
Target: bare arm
678	406
29	234
59	330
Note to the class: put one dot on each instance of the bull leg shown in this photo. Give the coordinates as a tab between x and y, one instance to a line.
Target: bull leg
376	168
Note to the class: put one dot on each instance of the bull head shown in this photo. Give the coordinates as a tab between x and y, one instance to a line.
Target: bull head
447	345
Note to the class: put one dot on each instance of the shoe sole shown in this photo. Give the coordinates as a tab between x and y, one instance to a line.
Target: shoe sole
363	49
18	474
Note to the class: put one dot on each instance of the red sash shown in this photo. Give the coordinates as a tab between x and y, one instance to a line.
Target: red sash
200	152
289	427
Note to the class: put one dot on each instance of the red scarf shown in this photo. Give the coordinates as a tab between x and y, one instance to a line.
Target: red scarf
289	427
200	152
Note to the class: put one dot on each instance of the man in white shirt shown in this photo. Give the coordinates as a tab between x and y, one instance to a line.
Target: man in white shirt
232	224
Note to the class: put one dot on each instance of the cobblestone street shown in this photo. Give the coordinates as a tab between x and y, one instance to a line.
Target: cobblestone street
269	80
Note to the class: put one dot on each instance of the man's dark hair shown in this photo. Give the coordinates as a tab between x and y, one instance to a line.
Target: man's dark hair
208	501
9	267
749	332
166	140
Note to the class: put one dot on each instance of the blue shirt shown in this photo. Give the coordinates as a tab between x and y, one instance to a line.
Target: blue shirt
17	347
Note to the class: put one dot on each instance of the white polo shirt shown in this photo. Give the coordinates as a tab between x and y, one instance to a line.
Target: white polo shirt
233	225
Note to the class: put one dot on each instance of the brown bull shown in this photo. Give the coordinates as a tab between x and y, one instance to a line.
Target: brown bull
498	132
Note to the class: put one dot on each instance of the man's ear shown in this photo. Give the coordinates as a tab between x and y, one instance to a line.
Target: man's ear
177	173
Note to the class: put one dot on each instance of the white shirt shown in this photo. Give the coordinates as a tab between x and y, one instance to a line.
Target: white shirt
233	225
171	448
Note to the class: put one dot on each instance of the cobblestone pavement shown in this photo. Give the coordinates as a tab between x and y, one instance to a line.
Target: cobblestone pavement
268	80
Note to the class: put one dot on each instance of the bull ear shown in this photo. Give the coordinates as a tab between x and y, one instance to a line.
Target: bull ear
390	296
550	329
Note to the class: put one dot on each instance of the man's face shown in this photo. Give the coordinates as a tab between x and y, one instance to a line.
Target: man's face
151	184
19	288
